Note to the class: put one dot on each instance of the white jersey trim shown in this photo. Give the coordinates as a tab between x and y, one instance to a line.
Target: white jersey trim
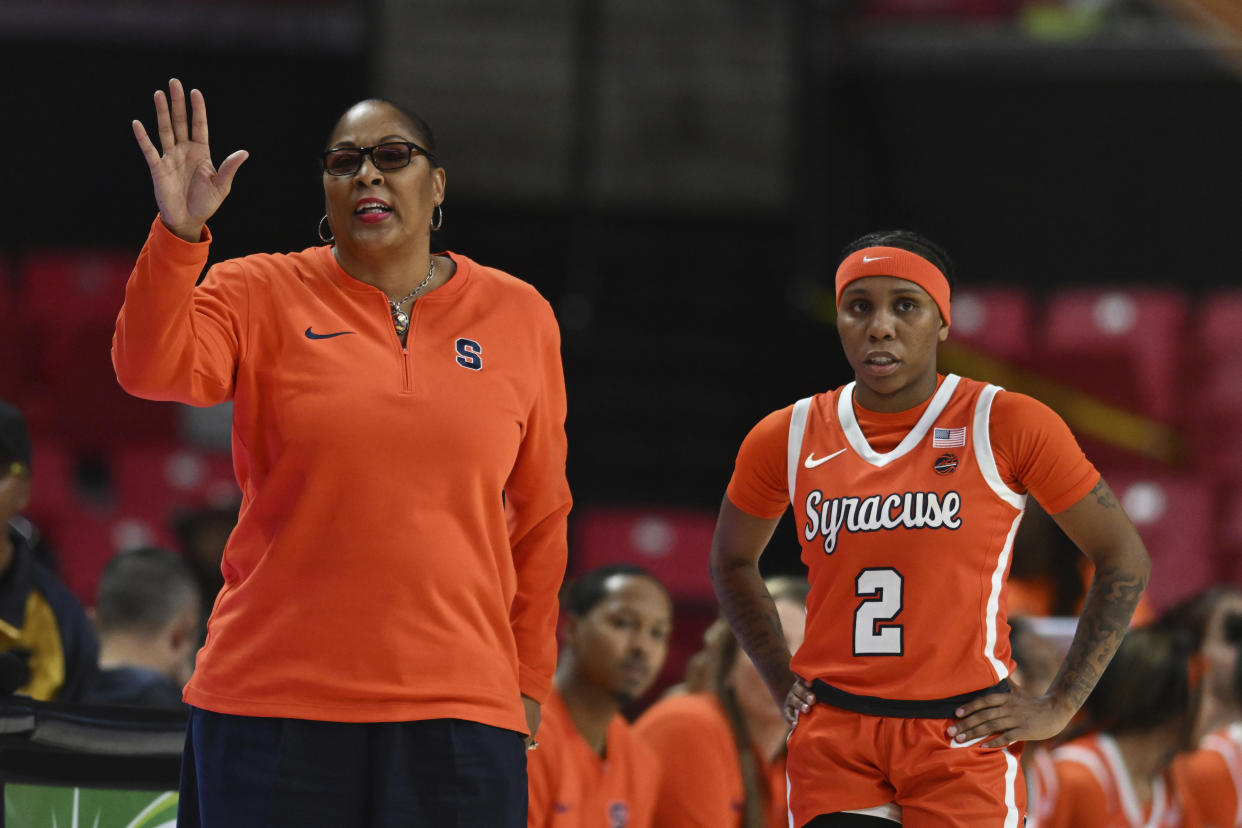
890	811
993	610
1039	803
1226	745
982	438
797	430
858	442
1125	788
1011	784
982	442
1087	757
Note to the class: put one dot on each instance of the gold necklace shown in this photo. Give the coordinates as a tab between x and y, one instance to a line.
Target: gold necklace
401	319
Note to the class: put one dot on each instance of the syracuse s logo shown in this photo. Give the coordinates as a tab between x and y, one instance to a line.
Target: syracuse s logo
469	354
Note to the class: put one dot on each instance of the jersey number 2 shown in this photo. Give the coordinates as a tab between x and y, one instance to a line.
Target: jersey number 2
881	591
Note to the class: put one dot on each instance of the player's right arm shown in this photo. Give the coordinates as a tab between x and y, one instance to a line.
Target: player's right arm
739	540
757	496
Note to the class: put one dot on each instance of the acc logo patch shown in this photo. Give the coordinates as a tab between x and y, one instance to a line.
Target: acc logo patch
945	464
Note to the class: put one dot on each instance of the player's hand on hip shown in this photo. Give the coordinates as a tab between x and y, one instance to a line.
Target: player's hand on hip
188	188
798	700
1016	716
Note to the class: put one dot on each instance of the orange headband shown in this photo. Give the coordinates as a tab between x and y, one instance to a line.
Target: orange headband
894	261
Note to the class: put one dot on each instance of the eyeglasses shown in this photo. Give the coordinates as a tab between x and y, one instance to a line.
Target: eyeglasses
390	156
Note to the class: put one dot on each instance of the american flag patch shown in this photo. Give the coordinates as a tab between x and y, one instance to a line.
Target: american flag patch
948	437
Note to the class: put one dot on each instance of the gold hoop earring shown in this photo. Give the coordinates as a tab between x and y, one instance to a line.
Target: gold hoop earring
438	215
329	238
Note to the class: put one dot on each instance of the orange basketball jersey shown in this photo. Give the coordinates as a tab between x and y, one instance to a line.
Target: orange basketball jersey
1094	788
1210	778
1041	785
907	550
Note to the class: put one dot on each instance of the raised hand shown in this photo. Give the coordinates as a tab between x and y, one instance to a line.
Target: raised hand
188	188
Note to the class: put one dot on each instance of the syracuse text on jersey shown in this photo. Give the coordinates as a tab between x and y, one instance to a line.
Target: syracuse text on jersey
911	510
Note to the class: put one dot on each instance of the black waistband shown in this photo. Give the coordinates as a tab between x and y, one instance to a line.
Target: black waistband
900	708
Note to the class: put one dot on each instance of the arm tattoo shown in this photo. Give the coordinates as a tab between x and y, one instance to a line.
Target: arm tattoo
751	613
1104	495
1105	617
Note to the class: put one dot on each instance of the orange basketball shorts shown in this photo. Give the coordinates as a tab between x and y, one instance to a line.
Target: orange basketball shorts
843	761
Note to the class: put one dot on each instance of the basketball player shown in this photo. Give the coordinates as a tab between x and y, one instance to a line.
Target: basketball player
1140	715
907	488
590	769
1210	778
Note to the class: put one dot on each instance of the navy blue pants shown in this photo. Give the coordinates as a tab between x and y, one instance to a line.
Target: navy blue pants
246	772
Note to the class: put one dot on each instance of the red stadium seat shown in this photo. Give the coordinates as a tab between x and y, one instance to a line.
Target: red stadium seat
1229	536
92	411
10	344
61	290
1220	331
673	544
1215	420
59	287
1215	415
86	541
157	481
69	303
1174	515
994	320
54	494
1122	345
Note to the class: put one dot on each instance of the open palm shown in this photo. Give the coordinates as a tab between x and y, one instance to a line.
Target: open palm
188	187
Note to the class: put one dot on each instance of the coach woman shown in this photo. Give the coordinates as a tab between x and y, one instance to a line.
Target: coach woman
385	633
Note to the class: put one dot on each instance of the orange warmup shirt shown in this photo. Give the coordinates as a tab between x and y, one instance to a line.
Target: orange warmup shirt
1093	788
1210	779
572	787
705	790
906	522
402	531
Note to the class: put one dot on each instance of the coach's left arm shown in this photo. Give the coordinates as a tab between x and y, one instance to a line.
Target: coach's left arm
537	504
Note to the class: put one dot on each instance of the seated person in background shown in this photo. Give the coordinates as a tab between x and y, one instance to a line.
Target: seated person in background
201	536
1037	660
733	731
147	611
1139	716
1213	621
589	770
1210	778
48	650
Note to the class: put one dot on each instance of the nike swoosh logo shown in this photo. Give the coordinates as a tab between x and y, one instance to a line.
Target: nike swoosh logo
811	462
312	335
867	260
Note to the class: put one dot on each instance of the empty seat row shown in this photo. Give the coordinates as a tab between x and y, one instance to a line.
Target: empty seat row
1153	352
90	507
